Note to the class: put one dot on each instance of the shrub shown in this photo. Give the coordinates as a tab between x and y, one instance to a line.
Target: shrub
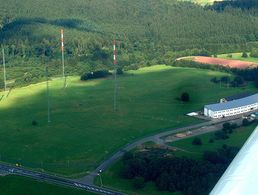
234	126
197	141
127	156
226	126
244	55
256	82
221	135
225	79
254	53
245	122
238	81
185	97
215	80
120	71
138	183
95	75
34	123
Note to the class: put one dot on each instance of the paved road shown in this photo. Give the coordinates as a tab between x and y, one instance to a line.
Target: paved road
8	169
209	126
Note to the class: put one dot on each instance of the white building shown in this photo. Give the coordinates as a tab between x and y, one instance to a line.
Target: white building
232	108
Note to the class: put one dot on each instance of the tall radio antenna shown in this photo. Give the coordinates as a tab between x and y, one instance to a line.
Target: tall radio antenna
63	63
115	74
4	69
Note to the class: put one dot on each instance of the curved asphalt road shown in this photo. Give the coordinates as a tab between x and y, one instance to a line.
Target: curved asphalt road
198	129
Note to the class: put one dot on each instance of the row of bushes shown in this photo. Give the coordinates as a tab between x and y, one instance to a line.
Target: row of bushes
99	74
95	75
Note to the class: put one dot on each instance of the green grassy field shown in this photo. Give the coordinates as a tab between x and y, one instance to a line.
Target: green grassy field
15	185
238	56
84	129
112	178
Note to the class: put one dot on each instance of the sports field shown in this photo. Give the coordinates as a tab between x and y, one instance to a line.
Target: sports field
84	129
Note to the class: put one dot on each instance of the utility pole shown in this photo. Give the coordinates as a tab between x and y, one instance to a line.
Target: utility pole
101	182
48	98
4	70
63	63
47	88
115	76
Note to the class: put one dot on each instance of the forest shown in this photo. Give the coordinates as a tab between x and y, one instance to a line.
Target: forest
147	31
177	174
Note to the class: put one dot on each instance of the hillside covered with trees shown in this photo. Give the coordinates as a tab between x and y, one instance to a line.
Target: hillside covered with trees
147	31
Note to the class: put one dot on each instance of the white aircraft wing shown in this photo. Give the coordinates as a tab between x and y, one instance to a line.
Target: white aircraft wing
241	177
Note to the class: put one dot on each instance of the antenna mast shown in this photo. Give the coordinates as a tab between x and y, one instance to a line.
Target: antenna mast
115	75
62	49
4	69
48	98
47	86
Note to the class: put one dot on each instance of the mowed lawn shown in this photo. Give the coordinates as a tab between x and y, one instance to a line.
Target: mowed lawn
238	56
84	129
15	185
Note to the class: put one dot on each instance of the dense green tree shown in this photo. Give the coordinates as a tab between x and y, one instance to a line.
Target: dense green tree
254	53
197	141
245	122
138	182
185	97
256	82
244	55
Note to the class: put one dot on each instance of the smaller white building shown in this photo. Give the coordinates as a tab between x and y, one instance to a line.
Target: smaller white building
232	108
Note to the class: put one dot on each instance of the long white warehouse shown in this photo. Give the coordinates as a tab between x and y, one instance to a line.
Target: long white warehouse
232	108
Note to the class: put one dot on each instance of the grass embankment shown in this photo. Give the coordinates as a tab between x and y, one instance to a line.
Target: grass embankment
15	185
84	129
112	178
238	56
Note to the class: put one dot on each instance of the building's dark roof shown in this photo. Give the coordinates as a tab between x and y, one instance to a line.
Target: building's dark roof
239	96
234	104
